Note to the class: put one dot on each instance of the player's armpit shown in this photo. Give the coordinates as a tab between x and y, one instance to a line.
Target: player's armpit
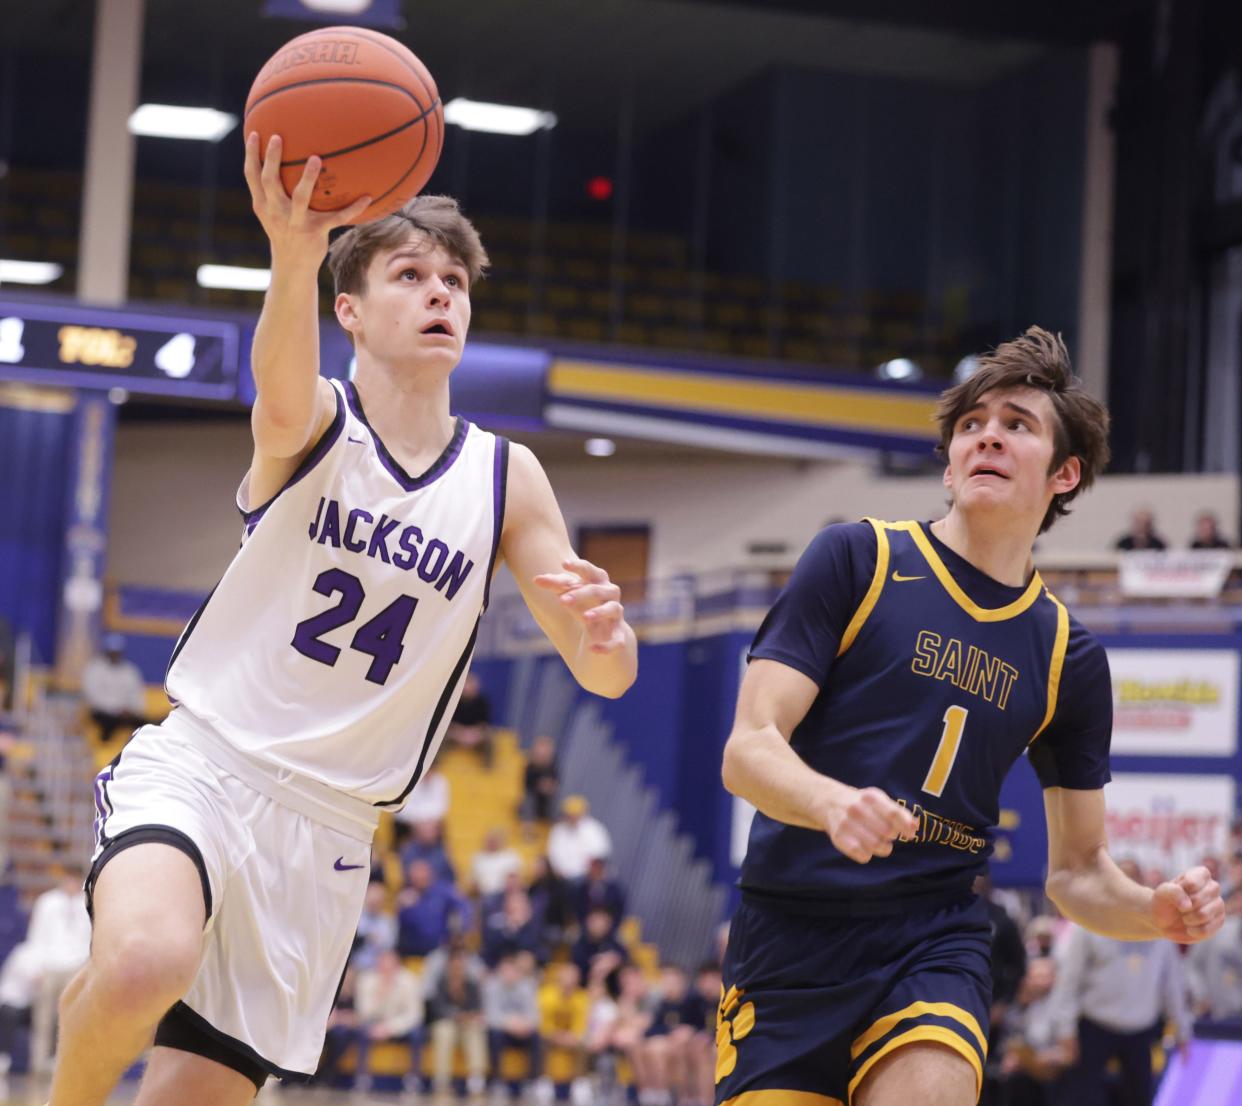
271	467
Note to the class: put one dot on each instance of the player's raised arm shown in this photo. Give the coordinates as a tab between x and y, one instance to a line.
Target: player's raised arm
1089	888
292	400
573	601
761	767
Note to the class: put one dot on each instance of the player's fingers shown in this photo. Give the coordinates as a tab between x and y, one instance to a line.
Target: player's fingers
305	188
893	818
605	614
270	174
1204	915
586	570
591	595
250	167
1193	880
1210	893
1173	894
350	215
557	581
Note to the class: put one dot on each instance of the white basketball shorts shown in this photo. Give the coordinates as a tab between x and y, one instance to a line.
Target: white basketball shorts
284	865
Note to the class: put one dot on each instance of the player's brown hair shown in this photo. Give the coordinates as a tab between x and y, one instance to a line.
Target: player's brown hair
1037	359
438	217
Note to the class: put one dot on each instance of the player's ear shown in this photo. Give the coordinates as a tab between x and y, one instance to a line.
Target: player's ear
1065	478
346	308
947	479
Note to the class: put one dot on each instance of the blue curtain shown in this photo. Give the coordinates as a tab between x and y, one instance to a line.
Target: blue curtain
35	441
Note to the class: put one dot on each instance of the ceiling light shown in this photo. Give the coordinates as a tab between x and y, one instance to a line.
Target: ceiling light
234	276
600	447
966	368
170	121
471	115
900	368
29	272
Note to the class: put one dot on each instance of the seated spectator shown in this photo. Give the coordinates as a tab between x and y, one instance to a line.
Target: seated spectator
389	1007
597	944
60	935
427	843
492	865
114	691
658	1067
377	928
511	929
511	1011
618	1025
341	1032
471	727
551	902
598	891
1142	533
435	962
699	1056
428	802
1207	533
542	779
564	1006
457	1013
576	840
19	982
1035	1050
428	911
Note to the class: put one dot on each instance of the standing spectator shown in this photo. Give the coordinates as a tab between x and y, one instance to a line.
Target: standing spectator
511	1010
427	843
389	1007
428	802
1037	1046
113	690
1120	993
541	781
1207	533
60	937
598	891
1215	967
19	983
428	911
576	840
1142	533
457	1010
377	928
492	865
471	727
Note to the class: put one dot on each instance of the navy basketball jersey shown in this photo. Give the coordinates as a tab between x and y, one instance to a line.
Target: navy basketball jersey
934	678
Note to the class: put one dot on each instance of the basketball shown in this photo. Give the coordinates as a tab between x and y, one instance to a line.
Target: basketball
363	103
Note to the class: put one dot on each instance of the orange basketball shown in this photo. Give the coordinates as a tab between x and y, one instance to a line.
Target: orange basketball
361	101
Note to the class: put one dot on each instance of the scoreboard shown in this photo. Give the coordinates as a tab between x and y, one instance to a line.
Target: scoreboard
86	347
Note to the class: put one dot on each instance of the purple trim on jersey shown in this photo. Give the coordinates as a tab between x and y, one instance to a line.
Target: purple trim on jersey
500	486
454	682
326	440
439	466
101	801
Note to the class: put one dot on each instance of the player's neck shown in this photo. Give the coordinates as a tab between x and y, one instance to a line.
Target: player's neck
410	412
996	547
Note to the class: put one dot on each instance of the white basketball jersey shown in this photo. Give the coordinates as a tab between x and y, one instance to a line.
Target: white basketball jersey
336	644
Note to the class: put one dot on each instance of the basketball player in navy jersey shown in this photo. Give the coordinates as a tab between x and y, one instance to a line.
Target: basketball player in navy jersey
899	675
315	685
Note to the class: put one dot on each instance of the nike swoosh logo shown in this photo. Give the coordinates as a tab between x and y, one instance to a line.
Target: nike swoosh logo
900	579
346	867
357	441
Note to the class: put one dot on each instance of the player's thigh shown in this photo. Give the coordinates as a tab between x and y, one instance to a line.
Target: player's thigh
176	1078
925	1072
148	901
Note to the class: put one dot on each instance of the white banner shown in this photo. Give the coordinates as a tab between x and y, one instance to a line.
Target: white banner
1175	702
1175	574
1168	822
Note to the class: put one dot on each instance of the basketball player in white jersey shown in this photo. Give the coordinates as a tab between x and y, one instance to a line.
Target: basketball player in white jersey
315	684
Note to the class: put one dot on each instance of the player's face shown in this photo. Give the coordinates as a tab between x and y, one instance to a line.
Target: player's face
416	308
1000	453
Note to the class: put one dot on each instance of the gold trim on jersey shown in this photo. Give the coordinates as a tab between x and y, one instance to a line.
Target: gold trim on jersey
782	1098
1056	664
936	1033
918	1010
978	613
873	592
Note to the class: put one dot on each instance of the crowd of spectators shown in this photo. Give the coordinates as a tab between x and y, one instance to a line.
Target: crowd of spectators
1143	533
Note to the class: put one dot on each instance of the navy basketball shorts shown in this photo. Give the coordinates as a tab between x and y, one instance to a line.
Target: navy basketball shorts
810	1004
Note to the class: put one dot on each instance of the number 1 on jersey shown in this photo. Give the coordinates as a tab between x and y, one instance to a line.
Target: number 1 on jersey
946	751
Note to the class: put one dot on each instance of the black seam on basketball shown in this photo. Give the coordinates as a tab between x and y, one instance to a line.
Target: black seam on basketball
413	165
371	141
380	40
331	80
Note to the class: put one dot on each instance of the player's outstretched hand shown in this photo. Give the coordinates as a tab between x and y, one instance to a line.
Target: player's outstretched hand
865	823
291	226
1189	909
593	599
